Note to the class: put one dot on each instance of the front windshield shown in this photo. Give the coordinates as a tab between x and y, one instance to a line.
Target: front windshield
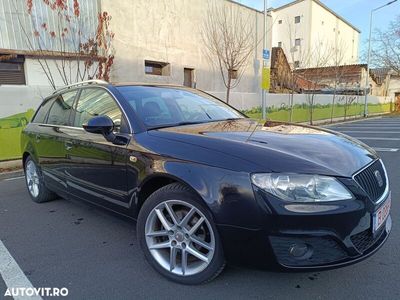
171	106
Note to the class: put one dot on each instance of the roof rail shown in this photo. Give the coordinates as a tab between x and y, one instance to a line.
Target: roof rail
92	81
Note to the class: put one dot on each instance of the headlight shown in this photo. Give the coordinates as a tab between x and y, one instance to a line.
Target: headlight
302	188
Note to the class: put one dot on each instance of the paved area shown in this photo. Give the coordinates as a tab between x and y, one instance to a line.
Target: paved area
95	254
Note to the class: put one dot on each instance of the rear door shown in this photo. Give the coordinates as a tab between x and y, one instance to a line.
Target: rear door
96	168
49	138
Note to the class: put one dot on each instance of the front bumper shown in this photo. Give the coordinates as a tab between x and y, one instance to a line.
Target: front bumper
319	251
316	237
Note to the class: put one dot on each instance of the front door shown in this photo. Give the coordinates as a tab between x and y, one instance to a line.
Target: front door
96	168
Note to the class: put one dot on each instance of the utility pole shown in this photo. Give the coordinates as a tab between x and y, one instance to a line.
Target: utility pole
265	61
369	57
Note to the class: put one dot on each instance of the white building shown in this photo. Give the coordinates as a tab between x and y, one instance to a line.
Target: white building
307	29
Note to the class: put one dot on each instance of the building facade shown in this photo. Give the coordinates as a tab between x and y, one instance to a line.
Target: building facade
312	35
161	41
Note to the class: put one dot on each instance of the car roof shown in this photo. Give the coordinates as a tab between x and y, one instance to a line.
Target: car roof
95	83
116	84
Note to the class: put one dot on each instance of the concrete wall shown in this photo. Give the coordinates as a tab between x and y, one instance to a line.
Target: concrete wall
19	99
17	106
246	101
170	31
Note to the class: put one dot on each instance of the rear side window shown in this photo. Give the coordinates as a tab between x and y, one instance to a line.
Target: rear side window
41	114
61	110
96	102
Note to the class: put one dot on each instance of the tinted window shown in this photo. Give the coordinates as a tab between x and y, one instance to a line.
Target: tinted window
60	111
163	106
41	114
96	102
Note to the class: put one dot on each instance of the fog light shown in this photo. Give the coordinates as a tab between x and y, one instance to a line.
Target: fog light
300	251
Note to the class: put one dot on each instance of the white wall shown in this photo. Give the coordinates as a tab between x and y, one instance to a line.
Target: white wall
326	27
288	31
18	99
35	75
248	101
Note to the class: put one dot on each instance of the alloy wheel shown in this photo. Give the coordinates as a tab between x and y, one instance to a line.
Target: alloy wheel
180	237
32	178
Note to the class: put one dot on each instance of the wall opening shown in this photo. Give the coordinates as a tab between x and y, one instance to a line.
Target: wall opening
157	68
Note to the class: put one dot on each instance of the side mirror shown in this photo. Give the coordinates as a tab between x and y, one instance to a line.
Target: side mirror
105	126
100	124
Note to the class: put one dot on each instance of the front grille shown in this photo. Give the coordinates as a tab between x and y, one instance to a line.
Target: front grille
369	180
364	240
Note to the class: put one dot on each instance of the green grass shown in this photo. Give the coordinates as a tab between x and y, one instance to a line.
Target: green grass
301	113
10	133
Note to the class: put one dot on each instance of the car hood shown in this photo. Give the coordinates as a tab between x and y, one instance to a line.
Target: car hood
277	146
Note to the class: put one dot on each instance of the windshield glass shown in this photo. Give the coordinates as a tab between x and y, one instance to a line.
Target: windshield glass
172	106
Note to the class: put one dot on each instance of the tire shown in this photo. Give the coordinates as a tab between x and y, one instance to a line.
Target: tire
35	183
188	237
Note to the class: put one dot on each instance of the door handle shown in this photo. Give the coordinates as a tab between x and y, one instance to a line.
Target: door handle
68	146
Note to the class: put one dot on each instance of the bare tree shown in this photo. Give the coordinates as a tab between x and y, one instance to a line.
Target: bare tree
79	54
229	39
315	60
348	101
338	59
385	49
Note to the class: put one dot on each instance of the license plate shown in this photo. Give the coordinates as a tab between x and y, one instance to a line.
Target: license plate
380	216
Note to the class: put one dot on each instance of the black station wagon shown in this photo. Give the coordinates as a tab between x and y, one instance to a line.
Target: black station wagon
205	183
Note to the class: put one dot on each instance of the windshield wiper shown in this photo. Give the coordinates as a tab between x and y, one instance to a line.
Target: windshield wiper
176	124
190	123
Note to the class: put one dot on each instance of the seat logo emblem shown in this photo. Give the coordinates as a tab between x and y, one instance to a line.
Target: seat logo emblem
378	177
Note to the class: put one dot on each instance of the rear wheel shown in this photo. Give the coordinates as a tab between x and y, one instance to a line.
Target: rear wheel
35	183
178	236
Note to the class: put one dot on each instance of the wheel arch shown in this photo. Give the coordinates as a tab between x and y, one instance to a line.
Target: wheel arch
24	158
155	182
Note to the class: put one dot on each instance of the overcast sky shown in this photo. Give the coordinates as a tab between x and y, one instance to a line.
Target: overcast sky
357	12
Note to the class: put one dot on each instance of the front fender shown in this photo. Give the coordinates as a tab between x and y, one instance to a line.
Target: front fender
228	194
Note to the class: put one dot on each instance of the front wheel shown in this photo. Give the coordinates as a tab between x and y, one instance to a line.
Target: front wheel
179	237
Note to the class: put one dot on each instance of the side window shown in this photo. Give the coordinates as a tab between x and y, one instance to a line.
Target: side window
41	114
96	102
60	111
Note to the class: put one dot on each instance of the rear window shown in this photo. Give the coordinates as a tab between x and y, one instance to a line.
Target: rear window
61	110
41	114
